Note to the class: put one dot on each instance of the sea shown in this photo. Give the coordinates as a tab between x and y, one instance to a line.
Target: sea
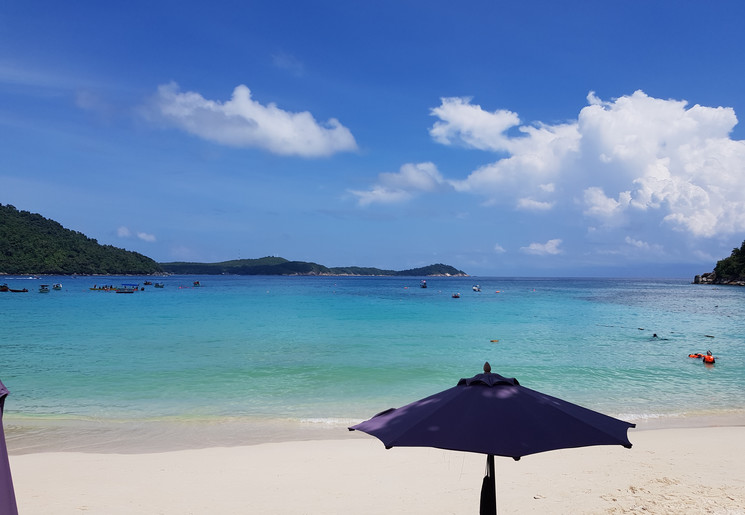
248	359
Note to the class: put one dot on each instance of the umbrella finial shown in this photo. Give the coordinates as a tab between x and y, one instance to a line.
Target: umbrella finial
487	367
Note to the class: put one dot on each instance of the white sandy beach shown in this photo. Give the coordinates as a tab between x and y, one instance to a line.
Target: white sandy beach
681	470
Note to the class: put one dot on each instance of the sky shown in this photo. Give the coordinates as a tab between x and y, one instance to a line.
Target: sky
504	138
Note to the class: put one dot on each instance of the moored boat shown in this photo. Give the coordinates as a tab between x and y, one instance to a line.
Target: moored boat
127	288
57	286
44	288
4	287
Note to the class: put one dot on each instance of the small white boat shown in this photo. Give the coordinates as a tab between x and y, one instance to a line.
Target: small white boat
57	286
44	288
477	288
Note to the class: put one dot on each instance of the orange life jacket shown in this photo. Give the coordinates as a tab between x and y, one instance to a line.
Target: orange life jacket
708	359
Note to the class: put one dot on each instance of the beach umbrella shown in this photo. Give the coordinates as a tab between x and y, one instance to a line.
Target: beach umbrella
494	415
7	494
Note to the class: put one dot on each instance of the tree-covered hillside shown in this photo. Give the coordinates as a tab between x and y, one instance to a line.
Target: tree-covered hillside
32	244
281	266
731	269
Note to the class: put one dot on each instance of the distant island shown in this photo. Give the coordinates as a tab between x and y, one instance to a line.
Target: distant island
281	266
33	245
729	270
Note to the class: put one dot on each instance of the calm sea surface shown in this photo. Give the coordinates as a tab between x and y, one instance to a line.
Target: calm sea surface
258	358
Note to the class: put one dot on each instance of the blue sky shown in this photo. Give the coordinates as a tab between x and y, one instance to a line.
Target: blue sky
503	138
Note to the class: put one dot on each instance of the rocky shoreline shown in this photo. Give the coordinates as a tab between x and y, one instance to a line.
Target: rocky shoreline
711	278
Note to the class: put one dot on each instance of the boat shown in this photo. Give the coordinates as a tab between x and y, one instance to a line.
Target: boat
423	284
159	285
44	288
127	288
147	283
4	287
24	290
456	295
477	288
197	284
57	286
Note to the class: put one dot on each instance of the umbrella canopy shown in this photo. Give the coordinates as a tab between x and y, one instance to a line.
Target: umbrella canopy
7	494
496	416
491	414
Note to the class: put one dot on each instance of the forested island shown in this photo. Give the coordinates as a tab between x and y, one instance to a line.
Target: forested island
730	270
33	245
281	266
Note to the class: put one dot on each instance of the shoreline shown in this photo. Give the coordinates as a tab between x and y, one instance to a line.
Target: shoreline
671	470
31	435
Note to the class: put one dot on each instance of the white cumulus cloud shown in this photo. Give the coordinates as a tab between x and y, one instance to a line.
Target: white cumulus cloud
539	154
551	247
462	122
125	232
411	178
244	122
530	204
666	157
645	247
598	205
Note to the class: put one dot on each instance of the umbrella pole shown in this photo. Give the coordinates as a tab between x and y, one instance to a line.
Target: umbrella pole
489	489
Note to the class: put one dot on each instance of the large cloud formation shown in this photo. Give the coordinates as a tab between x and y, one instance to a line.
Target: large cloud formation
633	154
244	122
619	160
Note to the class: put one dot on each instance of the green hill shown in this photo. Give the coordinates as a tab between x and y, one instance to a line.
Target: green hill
730	270
32	244
281	266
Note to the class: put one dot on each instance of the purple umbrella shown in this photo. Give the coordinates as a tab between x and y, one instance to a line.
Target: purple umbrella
7	495
494	415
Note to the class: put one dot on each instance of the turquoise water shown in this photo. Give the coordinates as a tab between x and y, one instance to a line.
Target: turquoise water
335	349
